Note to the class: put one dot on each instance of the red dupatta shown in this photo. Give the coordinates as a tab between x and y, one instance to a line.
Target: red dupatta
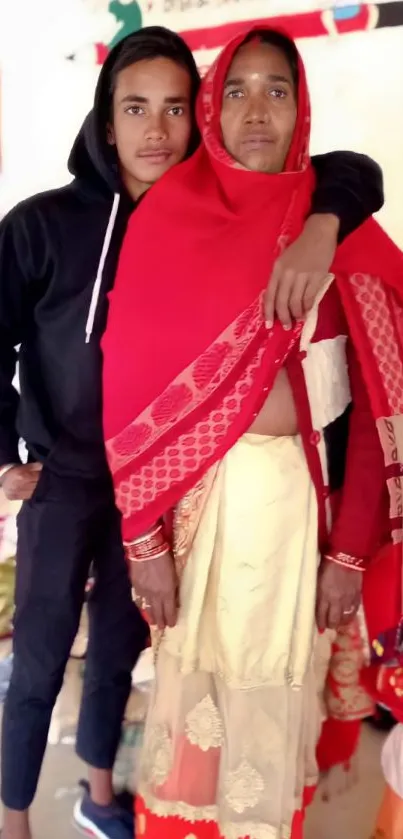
187	358
369	273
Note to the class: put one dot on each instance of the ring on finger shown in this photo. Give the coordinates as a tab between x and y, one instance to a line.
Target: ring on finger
350	611
143	604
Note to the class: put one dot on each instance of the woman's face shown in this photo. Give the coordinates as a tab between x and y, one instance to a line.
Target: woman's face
259	107
152	121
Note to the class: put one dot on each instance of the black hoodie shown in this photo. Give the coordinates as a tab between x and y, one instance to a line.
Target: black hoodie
51	249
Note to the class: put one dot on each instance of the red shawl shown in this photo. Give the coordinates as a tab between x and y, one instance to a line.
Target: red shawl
186	352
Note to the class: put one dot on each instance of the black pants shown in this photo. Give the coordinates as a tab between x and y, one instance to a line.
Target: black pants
69	524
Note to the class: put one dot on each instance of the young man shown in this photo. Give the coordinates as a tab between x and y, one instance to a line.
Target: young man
58	255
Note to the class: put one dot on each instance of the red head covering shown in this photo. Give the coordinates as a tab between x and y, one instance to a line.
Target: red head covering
209	107
187	357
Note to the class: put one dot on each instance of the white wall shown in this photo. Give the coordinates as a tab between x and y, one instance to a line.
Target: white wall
357	101
44	96
356	83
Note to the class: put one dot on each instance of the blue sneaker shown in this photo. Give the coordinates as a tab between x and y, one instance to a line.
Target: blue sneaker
124	798
103	822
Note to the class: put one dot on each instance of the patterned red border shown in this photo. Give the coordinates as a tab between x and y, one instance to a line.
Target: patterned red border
190	390
376	318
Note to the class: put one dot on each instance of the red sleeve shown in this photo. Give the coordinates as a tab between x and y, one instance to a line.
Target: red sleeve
360	523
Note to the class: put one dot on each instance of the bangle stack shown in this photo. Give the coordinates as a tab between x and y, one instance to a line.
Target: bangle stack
347	561
151	545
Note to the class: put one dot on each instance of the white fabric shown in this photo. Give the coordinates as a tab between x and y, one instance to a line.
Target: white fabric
328	372
327	382
392	760
234	719
96	290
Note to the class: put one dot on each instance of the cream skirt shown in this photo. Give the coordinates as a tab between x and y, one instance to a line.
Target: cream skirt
234	718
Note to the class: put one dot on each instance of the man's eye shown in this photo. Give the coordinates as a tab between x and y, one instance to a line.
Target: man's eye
177	111
277	93
235	94
135	110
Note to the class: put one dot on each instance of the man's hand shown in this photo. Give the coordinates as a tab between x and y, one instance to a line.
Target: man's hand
339	595
155	582
300	272
20	482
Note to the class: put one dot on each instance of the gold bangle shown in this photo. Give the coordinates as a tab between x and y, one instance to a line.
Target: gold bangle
165	549
352	562
143	551
147	548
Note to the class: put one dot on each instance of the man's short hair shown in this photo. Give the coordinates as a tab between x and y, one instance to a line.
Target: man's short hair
150	43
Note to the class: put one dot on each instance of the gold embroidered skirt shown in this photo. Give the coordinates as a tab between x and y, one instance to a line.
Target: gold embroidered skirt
234	717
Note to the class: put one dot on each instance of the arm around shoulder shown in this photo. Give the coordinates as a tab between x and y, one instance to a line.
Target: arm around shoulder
349	186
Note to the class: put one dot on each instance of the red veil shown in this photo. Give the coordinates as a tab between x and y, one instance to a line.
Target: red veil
186	352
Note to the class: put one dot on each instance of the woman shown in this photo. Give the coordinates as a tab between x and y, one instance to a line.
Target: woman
240	431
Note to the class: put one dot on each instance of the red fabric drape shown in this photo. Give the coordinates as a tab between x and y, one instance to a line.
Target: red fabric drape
338	743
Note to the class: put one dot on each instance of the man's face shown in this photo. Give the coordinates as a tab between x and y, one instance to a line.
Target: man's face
151	121
259	108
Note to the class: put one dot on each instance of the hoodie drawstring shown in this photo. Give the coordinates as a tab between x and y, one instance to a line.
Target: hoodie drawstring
98	279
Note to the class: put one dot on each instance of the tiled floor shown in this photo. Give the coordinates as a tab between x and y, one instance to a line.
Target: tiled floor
350	816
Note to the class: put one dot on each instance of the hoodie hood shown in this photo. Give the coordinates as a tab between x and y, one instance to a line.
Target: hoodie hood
93	162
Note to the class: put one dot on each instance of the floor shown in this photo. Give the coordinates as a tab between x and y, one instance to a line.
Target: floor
349	816
352	815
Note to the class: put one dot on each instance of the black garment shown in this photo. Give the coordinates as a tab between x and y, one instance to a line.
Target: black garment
50	249
69	524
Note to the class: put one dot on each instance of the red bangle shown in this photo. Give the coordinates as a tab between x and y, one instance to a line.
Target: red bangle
149	546
352	562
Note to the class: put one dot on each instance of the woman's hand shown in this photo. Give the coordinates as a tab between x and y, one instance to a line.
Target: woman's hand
156	586
300	272
338	596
